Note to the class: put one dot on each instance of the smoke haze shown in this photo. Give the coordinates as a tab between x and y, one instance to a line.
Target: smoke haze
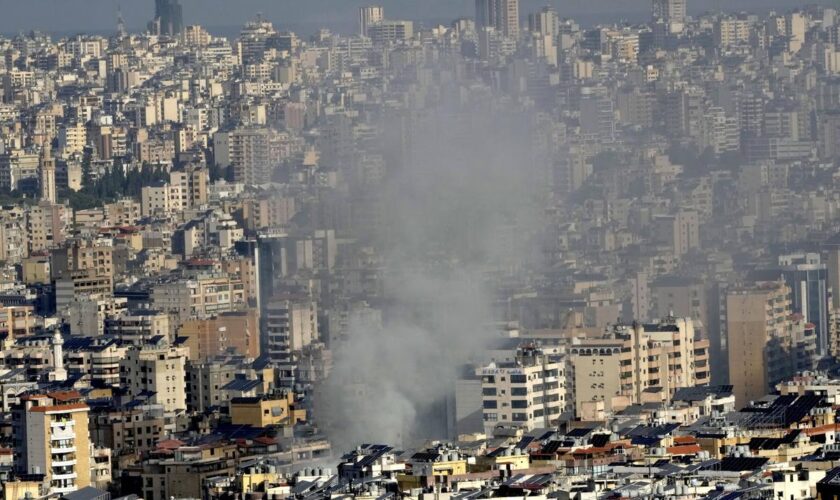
463	205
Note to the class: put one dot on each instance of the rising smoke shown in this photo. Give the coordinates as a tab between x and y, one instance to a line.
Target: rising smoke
461	210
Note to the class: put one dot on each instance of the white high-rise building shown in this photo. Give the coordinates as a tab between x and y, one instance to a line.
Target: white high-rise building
369	15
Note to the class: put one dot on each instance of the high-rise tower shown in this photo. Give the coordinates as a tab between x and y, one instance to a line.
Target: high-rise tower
169	17
503	15
669	11
368	16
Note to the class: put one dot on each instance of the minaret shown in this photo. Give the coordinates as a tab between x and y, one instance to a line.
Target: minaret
47	175
59	374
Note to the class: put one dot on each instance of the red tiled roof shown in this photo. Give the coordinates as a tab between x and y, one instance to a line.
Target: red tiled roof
686	449
822	429
169	444
685	440
63	396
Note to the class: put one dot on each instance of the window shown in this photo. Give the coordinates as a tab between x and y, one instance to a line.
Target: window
518	379
519	403
520	417
490	404
489	391
519	391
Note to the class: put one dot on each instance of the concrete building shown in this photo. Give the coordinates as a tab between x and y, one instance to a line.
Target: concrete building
138	327
248	151
545	22
82	255
215	381
227	332
169	17
156	375
51	438
87	314
808	279
832	249
731	31
640	363
368	16
527	393
758	334
201	297
46	225
389	31
188	471
72	139
502	15
669	11
19	169
80	284
680	231
128	431
290	325
682	298
266	411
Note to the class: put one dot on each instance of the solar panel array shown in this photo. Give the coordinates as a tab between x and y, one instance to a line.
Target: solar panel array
783	411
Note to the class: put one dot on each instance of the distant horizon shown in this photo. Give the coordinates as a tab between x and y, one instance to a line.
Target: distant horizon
65	18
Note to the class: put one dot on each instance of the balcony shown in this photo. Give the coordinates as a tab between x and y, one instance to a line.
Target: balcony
60	434
63	423
70	462
63	449
65	476
64	489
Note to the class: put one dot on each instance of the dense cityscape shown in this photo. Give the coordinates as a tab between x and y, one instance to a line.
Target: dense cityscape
509	256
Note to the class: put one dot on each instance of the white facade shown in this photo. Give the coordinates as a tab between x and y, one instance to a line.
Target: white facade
528	393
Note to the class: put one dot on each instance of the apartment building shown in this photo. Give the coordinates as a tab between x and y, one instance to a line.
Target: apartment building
214	382
228	332
638	363
156	375
265	411
128	431
82	255
290	325
200	297
526	393
46	225
759	337
80	284
86	314
51	438
138	327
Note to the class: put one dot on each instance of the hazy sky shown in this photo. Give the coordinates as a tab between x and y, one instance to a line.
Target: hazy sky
96	15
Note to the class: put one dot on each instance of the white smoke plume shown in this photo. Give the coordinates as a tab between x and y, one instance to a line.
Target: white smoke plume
462	209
